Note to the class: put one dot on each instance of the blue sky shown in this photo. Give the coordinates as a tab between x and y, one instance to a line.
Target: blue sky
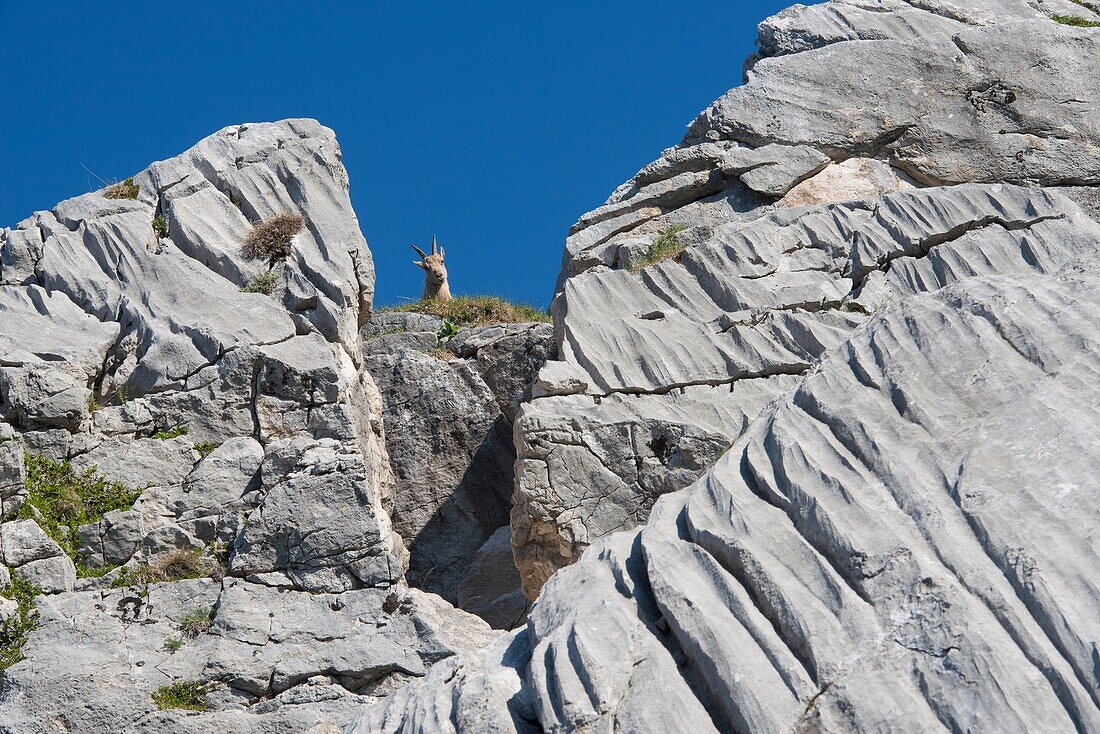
493	124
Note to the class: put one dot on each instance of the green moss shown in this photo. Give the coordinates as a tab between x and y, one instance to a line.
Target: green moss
184	694
263	283
666	247
474	310
122	190
1076	21
205	448
160	226
65	500
15	631
170	433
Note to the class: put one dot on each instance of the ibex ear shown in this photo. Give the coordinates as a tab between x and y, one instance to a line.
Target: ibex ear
421	253
442	254
419	264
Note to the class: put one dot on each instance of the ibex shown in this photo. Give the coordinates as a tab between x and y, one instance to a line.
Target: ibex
435	273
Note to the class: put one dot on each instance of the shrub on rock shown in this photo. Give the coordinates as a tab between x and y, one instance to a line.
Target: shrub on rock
272	237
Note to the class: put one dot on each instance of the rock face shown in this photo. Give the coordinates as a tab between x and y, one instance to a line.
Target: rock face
896	536
133	346
280	660
448	416
802	203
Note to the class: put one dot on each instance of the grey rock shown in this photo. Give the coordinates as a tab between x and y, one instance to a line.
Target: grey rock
863	558
12	476
998	113
53	575
586	469
23	541
491	588
508	357
276	660
317	525
113	539
452	455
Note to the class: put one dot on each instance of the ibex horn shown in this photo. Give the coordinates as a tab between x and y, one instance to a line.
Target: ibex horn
435	247
419	251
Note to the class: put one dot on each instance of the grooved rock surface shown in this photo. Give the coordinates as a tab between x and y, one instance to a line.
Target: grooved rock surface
805	201
900	543
901	536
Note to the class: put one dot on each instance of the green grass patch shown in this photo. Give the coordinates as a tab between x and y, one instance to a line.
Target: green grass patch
15	631
122	190
66	500
170	433
1075	21
263	283
205	448
184	694
176	565
173	644
160	226
666	247
475	310
197	621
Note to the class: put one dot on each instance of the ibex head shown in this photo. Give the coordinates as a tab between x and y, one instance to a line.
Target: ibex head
435	272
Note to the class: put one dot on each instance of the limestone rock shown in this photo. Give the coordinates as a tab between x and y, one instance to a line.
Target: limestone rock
491	587
272	660
452	455
864	557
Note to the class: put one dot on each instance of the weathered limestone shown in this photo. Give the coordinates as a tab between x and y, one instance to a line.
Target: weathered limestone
273	660
449	435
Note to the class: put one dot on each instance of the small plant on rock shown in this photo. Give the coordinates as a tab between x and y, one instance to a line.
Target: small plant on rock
447	330
122	190
160	226
205	448
667	246
173	644
271	238
175	565
186	694
170	433
1075	21
263	283
61	500
195	622
15	630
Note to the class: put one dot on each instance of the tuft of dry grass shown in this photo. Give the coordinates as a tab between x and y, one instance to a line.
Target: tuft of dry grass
271	238
122	190
475	310
172	566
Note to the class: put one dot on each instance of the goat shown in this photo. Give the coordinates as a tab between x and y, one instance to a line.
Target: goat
435	273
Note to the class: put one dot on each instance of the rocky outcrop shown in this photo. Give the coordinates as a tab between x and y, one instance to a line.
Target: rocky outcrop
864	558
802	204
448	412
138	353
898	537
269	660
